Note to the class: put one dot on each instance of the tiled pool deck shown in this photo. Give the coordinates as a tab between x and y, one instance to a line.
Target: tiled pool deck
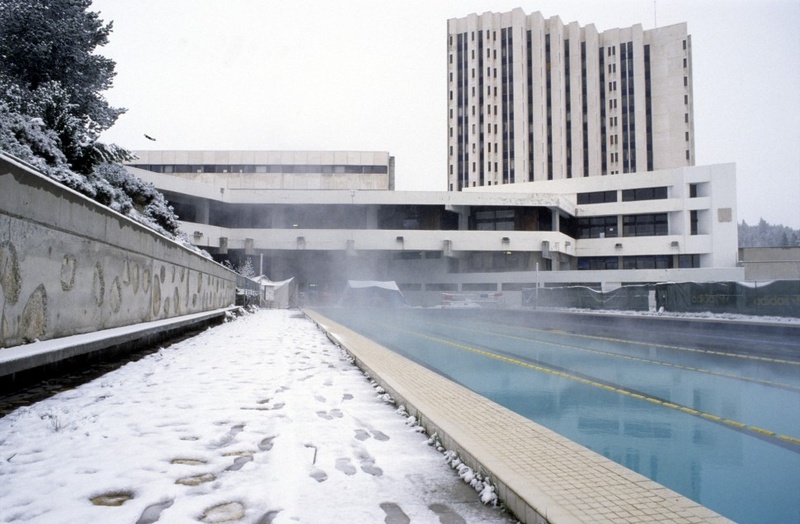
540	475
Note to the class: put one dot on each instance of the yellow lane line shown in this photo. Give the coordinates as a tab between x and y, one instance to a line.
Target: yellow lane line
667	346
708	416
639	359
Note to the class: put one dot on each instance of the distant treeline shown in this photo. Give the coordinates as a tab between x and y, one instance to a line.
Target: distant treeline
767	235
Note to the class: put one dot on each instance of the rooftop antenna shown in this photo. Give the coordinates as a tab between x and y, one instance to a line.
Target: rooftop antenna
655	18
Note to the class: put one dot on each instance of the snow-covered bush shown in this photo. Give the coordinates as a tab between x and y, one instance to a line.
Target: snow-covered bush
52	110
127	194
246	269
26	138
50	70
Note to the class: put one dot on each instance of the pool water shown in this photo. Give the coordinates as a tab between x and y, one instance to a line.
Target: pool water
719	428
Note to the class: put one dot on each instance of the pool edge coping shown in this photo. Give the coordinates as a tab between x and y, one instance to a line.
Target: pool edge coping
521	494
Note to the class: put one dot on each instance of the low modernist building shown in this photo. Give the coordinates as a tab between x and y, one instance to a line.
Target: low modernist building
538	112
275	169
668	225
770	263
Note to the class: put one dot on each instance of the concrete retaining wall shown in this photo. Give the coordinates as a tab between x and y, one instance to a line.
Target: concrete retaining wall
69	265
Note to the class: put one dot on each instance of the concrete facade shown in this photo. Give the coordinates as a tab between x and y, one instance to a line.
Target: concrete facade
363	170
770	263
533	99
700	203
670	225
69	265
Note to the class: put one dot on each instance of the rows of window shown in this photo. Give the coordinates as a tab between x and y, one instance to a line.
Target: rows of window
644	193
498	261
619	151
485	287
597	197
507	88
639	262
628	195
264	168
648	108
412	217
650	224
417	255
598	227
628	111
488	262
494	220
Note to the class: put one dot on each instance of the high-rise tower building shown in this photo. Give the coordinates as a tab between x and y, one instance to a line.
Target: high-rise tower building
534	99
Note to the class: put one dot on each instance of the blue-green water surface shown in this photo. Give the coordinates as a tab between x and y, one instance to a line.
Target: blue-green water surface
727	436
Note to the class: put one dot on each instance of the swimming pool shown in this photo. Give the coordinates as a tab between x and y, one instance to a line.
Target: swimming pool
705	413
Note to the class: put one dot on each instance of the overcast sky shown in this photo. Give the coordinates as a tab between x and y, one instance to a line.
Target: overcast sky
371	75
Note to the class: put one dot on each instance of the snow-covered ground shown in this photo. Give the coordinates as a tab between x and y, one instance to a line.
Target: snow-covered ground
258	420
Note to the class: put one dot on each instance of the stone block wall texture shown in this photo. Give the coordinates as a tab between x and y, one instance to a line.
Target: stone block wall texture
69	265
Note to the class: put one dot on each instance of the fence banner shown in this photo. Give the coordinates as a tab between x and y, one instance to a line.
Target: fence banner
717	297
776	298
779	298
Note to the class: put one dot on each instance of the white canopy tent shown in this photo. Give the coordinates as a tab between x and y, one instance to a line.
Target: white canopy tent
277	295
372	293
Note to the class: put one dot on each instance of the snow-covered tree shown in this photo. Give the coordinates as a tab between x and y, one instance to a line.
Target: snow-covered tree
49	70
765	234
246	269
52	109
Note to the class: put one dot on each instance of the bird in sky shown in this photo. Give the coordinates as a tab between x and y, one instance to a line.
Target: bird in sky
149	137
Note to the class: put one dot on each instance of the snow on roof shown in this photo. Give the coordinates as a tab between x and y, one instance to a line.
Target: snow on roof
265	281
359	284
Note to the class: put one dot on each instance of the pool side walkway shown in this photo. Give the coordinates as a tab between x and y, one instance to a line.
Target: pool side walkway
540	475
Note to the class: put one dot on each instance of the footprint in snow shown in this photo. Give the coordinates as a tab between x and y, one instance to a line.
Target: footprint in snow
379	435
330	415
153	512
268	517
266	444
394	515
367	464
196	480
362	435
226	439
239	462
226	512
318	475
345	466
446	514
